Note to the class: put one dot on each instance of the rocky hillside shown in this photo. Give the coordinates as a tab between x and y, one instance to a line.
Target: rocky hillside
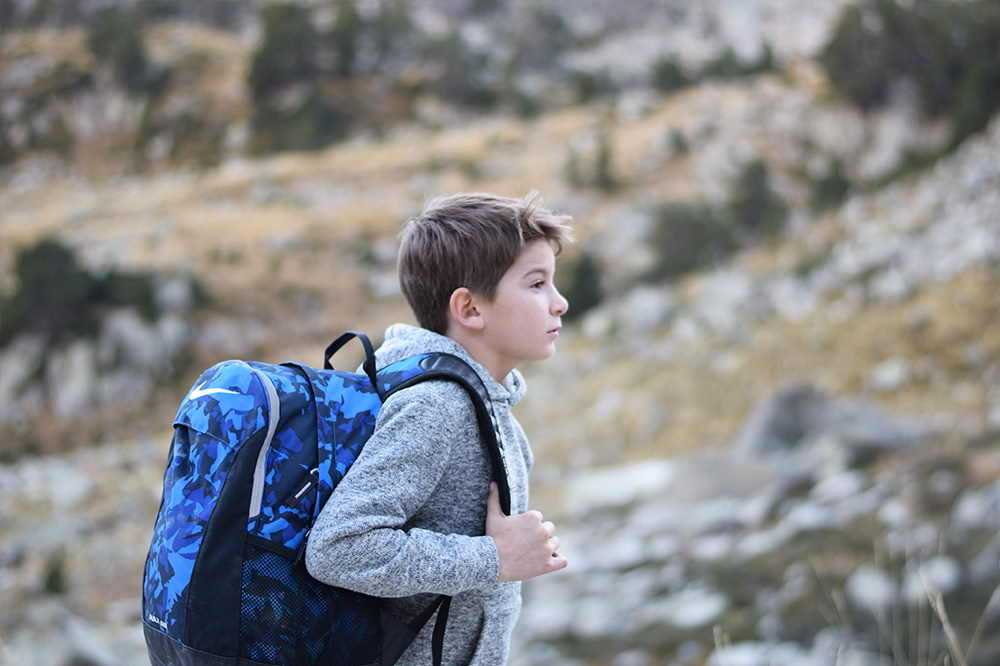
788	455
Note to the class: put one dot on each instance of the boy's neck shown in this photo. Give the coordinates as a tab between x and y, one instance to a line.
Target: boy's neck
479	353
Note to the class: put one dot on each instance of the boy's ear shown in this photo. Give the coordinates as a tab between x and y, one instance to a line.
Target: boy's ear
463	309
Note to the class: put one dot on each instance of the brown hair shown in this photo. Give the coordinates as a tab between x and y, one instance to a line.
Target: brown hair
469	240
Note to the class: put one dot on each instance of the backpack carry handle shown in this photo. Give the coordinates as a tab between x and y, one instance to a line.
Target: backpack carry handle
369	364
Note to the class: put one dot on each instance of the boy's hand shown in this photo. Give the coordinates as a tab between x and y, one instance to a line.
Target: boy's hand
526	545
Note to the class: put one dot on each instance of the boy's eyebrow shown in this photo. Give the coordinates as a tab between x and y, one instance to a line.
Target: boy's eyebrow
541	270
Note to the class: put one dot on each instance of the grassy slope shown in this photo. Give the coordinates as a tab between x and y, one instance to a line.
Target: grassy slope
259	231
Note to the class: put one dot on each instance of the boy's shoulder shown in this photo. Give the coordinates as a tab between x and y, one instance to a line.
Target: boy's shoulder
404	341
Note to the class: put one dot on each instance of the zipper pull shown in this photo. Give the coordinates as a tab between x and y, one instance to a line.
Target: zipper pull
302	548
310	484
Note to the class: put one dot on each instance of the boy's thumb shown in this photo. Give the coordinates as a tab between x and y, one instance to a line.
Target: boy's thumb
493	501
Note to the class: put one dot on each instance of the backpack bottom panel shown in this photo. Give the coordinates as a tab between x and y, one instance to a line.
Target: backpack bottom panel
165	650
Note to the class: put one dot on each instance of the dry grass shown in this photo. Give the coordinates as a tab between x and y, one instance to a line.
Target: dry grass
259	231
626	404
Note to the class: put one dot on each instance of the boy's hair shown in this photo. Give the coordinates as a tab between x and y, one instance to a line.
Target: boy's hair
469	240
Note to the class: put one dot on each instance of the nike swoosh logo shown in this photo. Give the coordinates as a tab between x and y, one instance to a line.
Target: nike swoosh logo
200	392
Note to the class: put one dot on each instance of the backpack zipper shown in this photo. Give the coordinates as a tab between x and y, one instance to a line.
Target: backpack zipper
310	484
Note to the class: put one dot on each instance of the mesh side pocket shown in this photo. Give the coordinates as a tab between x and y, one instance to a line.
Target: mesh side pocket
291	619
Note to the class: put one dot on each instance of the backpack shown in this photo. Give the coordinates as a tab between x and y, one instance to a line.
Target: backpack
257	450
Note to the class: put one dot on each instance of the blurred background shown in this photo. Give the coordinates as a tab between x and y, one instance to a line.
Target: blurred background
771	433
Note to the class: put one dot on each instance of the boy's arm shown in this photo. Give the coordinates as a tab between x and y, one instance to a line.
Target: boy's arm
359	541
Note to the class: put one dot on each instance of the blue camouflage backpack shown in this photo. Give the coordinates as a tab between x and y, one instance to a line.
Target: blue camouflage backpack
257	450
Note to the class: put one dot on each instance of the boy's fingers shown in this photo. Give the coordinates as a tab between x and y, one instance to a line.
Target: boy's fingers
557	562
493	501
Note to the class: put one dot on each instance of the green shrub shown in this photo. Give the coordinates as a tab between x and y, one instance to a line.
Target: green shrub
153	10
288	51
727	65
591	86
391	32
58	138
38	13
321	119
572	169
765	63
57	298
460	81
693	236
688	237
592	168
8	154
580	283
604	176
118	289
947	51
196	140
52	295
55	581
757	211
344	37
115	38
669	76
830	190
68	78
678	142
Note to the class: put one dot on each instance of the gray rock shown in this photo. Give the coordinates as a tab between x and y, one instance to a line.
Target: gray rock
789	297
781	421
645	310
724	302
691	608
870	588
175	295
19	363
940	574
866	429
67	640
750	653
174	335
70	378
977	508
889	375
616	486
827	434
128	340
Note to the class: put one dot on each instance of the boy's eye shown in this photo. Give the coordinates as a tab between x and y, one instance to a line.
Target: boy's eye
538	285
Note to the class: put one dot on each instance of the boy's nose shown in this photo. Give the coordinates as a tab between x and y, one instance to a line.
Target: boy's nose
560	305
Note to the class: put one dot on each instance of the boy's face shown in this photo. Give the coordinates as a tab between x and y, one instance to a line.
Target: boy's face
522	321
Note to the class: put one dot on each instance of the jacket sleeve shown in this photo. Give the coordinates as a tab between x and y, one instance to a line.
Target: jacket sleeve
361	540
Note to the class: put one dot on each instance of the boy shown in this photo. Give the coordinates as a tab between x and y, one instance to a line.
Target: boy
417	516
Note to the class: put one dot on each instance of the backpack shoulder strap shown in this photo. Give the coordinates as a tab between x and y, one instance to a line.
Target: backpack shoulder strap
406	373
426	367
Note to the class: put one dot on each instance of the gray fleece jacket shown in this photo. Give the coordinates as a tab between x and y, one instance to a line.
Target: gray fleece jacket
407	522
